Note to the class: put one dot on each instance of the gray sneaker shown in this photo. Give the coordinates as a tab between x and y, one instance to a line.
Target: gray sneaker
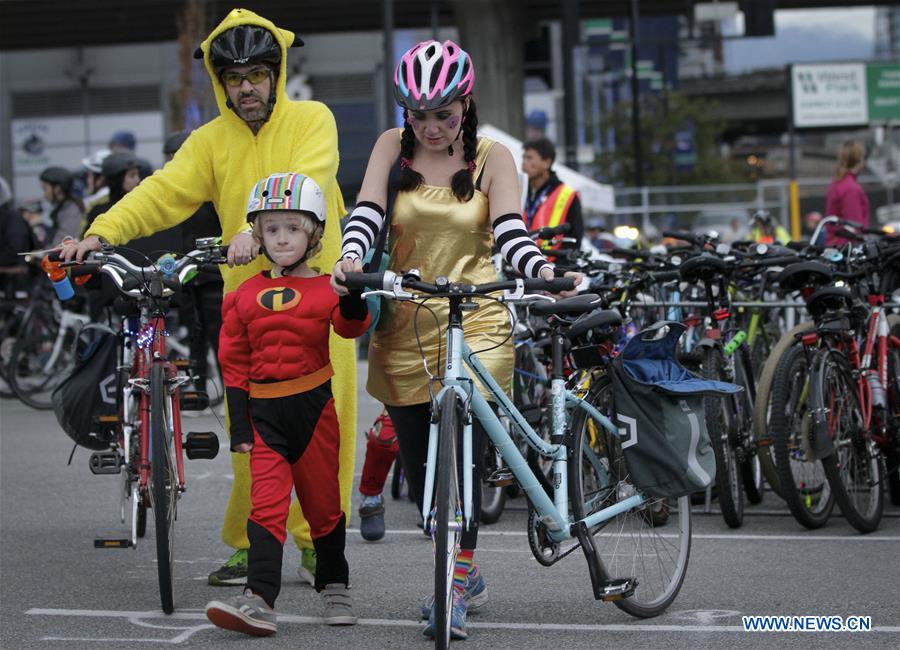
338	605
247	613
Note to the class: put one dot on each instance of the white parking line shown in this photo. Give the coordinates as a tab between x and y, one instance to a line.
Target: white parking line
195	615
790	538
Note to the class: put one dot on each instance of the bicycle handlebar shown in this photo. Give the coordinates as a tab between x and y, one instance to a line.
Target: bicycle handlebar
392	284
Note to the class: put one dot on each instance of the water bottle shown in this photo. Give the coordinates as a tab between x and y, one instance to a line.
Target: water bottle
879	397
59	278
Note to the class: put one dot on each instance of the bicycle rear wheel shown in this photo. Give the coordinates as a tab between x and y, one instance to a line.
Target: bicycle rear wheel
854	470
802	478
751	470
721	422
651	542
892	453
493	497
163	484
446	533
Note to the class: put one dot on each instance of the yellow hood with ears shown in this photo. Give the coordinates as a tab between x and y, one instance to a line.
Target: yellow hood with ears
284	37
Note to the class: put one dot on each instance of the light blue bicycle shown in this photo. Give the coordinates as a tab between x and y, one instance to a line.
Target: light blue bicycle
636	547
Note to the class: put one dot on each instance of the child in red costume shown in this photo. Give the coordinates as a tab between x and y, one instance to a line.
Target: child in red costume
273	351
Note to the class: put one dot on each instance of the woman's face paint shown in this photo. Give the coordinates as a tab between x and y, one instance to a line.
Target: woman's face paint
439	128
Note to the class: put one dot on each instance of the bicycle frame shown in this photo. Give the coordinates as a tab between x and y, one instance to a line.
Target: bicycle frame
554	513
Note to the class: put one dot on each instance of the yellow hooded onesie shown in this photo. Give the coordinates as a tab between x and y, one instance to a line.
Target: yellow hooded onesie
220	162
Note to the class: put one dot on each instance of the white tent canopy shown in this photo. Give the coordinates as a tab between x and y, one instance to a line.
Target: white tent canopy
595	197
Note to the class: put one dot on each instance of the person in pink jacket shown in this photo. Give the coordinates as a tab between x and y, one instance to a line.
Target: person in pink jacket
846	198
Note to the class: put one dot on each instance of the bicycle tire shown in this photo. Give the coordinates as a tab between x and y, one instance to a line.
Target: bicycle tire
26	373
892	453
642	542
763	403
804	486
854	470
493	498
397	479
163	487
720	418
751	470
446	503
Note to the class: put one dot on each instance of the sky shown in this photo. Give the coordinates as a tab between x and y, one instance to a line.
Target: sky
805	36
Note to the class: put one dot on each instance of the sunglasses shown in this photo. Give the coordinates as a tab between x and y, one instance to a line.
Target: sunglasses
235	79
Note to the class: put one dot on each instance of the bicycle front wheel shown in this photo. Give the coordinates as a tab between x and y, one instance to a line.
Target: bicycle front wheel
447	526
803	484
651	542
721	422
854	470
38	359
163	484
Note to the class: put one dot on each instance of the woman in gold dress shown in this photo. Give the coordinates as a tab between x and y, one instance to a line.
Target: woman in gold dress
457	195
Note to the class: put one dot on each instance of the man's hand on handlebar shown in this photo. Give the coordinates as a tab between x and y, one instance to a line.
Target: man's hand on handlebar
78	249
344	265
242	249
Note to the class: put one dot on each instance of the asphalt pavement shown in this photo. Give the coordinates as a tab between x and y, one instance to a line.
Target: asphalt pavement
57	591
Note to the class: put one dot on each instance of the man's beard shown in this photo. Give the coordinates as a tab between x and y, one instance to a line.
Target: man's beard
254	114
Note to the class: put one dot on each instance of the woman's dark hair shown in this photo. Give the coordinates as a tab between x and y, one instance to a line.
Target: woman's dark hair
462	183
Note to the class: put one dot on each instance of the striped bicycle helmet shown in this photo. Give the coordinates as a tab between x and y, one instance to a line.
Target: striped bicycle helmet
431	75
286	191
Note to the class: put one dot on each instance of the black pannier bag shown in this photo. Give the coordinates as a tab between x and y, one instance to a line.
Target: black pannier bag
659	414
89	389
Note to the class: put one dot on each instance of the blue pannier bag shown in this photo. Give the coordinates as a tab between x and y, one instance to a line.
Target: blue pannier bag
659	413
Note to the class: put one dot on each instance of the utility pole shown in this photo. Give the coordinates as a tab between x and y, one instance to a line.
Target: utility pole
388	9
570	39
635	97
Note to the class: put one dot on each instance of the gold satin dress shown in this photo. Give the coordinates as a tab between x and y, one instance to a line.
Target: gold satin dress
433	232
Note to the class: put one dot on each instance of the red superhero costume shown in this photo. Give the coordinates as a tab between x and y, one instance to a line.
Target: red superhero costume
273	350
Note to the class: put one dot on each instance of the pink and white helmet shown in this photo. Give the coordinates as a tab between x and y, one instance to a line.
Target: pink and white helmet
432	74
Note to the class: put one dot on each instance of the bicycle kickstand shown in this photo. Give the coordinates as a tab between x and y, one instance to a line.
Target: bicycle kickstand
605	589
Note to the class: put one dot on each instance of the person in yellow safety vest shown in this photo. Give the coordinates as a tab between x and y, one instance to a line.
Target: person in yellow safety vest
550	202
765	230
260	130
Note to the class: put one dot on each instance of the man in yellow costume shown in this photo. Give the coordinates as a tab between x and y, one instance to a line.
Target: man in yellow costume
259	131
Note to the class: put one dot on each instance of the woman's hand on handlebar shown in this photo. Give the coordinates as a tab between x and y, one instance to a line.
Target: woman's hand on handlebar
72	249
242	249
547	274
344	265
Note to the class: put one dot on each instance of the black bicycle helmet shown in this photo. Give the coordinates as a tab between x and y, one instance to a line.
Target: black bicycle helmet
242	45
118	163
174	141
58	176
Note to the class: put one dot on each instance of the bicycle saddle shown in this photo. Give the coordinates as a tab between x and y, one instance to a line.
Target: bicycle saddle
574	306
602	321
828	299
701	267
804	274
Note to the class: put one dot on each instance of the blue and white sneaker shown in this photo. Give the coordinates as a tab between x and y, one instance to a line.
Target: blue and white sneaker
475	594
457	620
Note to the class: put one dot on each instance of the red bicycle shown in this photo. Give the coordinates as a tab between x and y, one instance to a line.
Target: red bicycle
147	446
854	383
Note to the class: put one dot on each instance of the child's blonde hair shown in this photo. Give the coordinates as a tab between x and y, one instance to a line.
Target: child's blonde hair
308	223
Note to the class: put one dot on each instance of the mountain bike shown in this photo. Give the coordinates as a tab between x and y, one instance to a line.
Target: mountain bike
630	562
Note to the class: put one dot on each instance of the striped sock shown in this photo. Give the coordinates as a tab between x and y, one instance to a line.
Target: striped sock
464	563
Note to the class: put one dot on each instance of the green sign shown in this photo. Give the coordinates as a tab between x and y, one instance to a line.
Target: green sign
883	86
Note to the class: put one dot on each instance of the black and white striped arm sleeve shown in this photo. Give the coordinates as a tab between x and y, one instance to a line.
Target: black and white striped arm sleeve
517	247
362	228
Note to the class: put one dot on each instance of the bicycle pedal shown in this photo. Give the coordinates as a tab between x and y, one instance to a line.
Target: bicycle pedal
617	589
500	478
183	364
194	400
201	444
113	543
105	462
